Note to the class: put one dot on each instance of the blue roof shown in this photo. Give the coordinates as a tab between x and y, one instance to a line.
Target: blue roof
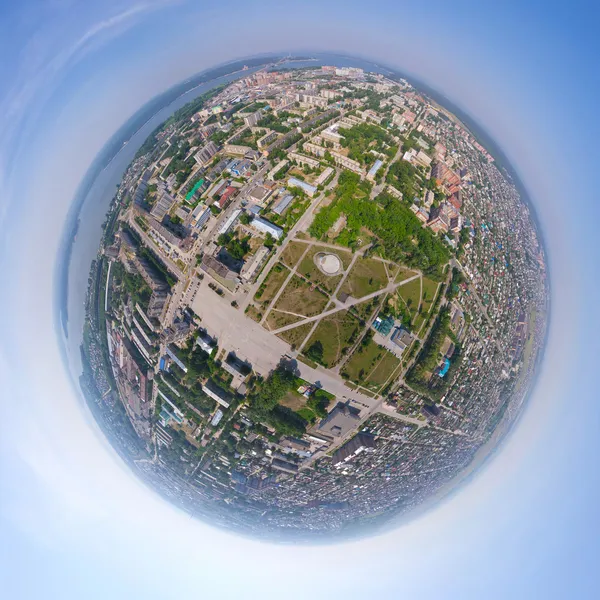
375	167
445	368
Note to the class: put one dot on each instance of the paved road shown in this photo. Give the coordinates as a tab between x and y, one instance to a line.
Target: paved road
236	332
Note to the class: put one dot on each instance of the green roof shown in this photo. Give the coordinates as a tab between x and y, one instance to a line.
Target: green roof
191	193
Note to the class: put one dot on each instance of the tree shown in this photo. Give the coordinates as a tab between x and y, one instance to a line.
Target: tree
269	241
245	218
223	239
236	247
272	390
315	352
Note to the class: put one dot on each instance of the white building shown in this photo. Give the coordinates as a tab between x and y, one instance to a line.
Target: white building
373	170
252	267
324	176
310	190
280	165
217	417
265	227
230	222
216	396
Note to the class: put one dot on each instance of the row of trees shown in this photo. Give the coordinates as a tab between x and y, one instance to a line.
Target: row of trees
429	357
129	284
404	177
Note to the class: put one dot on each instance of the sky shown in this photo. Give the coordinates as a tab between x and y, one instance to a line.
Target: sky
74	522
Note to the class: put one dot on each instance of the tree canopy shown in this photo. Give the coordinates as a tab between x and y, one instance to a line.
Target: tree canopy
398	231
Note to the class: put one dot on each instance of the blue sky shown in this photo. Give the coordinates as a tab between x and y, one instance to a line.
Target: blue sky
74	523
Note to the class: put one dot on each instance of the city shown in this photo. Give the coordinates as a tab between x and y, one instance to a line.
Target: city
318	301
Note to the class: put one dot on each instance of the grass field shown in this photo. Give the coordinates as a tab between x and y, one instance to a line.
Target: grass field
382	371
371	365
294	337
365	310
297	402
253	313
311	271
335	332
418	321
403	274
269	287
292	253
302	298
293	400
429	292
411	294
367	276
276	319
307	414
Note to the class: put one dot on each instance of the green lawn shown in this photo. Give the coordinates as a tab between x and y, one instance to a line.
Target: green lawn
307	414
254	313
335	332
367	276
410	293
371	365
429	292
302	298
365	310
382	371
418	322
403	274
276	319
269	287
292	253
295	337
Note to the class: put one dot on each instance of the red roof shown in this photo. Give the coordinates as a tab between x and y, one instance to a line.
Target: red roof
226	195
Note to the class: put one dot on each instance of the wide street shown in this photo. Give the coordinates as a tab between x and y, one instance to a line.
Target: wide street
264	351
